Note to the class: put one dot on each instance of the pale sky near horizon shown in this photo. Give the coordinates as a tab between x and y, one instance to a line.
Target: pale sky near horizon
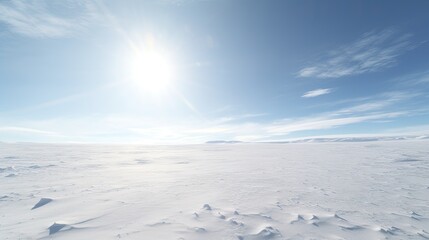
191	71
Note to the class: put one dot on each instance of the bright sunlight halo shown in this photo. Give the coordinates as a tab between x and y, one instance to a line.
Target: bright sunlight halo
152	71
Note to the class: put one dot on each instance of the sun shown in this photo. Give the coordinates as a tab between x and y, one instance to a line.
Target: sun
151	70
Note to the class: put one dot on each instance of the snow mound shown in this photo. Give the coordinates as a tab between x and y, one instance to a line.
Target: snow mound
7	169
56	227
207	207
142	161
227	191
264	234
42	202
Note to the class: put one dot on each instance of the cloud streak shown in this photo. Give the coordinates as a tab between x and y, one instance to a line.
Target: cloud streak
25	130
374	51
37	19
135	129
326	123
317	92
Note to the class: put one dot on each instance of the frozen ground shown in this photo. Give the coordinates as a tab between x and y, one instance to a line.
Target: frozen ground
367	190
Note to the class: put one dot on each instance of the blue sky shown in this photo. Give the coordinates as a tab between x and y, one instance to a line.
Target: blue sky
191	71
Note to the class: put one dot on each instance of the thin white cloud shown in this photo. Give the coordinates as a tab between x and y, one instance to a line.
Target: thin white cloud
138	129
384	100
233	118
45	19
252	131
79	130
410	130
317	92
326	122
372	52
411	80
25	130
180	2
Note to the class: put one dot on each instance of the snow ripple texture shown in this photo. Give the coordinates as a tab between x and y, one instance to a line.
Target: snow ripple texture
364	190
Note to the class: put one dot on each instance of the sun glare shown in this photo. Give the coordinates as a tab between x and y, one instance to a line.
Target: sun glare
152	71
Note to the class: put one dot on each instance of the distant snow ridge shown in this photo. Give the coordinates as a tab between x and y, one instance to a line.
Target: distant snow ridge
355	139
222	142
333	139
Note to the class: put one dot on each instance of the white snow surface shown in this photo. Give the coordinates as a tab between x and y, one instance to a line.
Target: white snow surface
364	190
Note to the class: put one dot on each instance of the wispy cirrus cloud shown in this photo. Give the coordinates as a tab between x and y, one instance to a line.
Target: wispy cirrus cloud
192	132
413	79
317	92
368	110
371	109
46	19
326	122
372	52
25	130
383	101
245	127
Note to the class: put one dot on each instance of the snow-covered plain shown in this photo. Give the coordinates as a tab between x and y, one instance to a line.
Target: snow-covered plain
365	190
